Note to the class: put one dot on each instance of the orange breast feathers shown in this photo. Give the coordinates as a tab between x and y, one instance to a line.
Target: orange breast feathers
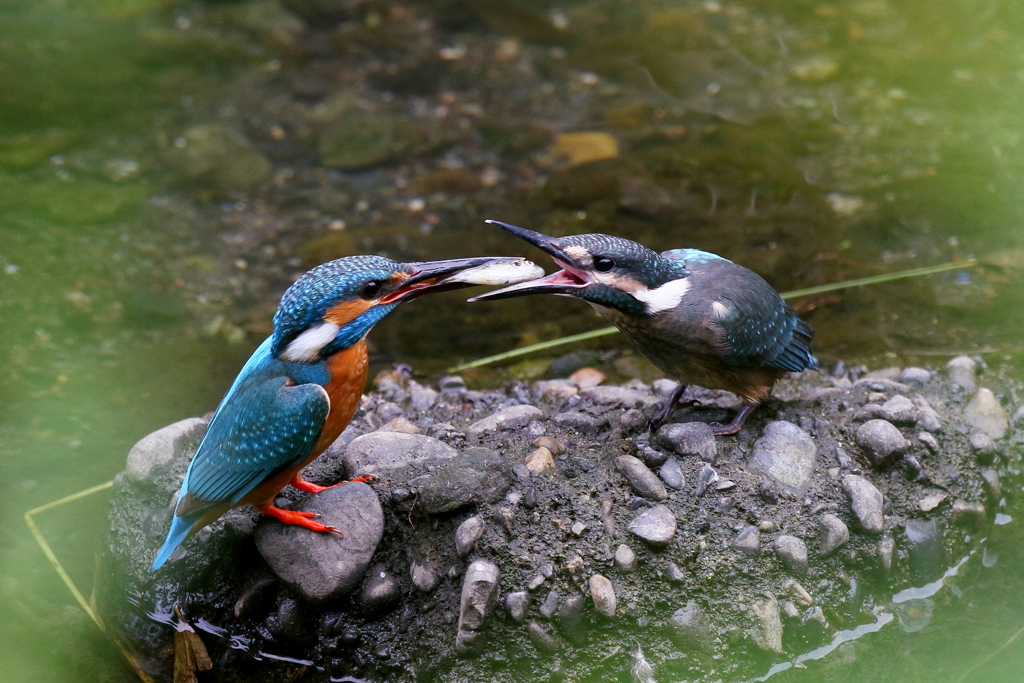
348	371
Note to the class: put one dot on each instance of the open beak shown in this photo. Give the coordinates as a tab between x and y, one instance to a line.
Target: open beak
441	276
566	281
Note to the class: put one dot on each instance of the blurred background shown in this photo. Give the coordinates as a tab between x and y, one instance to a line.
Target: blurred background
168	168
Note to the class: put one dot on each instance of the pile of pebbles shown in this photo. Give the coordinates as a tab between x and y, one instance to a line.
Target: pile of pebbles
543	519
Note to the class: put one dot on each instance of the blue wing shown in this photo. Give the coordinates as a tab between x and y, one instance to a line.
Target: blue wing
262	428
761	329
257	434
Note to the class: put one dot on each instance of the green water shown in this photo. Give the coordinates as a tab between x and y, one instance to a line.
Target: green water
840	140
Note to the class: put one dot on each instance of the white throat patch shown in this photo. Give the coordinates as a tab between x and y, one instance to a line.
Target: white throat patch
307	346
663	298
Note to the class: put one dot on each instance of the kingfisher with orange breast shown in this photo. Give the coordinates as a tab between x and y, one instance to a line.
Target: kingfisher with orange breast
302	385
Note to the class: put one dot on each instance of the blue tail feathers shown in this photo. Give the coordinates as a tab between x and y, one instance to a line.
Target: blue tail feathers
180	527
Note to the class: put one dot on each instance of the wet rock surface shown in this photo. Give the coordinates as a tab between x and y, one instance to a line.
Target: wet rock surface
483	557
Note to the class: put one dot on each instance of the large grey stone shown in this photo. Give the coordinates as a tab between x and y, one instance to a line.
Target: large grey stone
321	565
603	594
866	501
689	627
961	372
656	525
688	439
986	415
767	623
164	446
619	396
578	422
834	533
787	454
479	593
382	453
881	440
644	482
793	553
513	417
478	475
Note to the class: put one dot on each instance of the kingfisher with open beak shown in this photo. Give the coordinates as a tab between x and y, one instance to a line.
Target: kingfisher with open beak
700	318
302	385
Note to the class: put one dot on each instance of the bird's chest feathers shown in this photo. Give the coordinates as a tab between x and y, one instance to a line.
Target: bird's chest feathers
347	370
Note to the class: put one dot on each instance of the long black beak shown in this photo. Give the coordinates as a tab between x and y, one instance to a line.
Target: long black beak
429	277
567	281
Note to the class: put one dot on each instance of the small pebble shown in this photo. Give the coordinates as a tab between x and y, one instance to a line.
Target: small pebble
656	525
793	553
625	558
748	541
469	534
671	474
880	441
603	594
834	534
518	604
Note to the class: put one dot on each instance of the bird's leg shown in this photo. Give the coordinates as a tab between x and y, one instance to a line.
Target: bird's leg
737	421
298	518
309	487
675	402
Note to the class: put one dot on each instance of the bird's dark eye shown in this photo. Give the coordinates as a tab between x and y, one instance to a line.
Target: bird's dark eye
603	265
370	289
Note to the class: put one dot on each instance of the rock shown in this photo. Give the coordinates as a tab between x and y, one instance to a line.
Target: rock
985	449
479	593
834	534
578	529
451	384
383	453
401	425
898	410
218	157
706	477
986	415
603	594
513	417
767	624
796	589
688	439
915	376
518	604
424	575
793	553
570	611
968	515
618	396
325	566
787	454
469	534
931	501
554	390
643	482
541	639
421	398
651	456
929	441
155	451
866	501
748	541
548	608
563	366
880	441
656	525
380	592
886	549
927	418
664	388
925	549
961	372
551	443
474	476
689	628
539	460
578	422
625	559
992	486
587	378
671	474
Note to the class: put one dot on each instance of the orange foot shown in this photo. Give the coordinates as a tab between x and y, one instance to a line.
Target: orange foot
309	487
304	519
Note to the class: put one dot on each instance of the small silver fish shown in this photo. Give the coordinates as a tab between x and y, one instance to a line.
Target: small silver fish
509	272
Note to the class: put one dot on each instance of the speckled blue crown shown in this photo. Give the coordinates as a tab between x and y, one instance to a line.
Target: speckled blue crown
651	268
307	300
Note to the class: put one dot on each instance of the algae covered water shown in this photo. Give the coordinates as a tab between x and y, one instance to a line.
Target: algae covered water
166	169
